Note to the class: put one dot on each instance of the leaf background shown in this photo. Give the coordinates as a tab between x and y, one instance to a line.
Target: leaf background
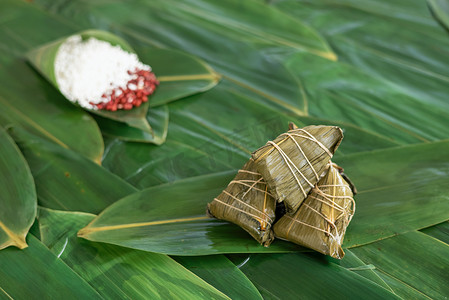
378	69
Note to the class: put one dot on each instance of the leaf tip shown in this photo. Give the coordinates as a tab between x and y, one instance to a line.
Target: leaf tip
97	160
83	232
216	76
331	56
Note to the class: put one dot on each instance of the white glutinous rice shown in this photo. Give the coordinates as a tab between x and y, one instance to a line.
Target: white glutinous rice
97	75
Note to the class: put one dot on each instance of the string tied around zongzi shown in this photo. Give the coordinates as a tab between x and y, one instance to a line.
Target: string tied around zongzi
294	162
247	202
321	221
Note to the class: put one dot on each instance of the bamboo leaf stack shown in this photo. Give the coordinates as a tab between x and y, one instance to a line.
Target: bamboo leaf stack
294	169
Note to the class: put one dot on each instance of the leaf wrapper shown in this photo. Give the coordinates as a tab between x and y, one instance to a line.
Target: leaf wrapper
294	162
321	221
247	203
43	60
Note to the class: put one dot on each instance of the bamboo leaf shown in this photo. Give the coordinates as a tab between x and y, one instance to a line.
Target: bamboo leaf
61	178
157	116
361	33
180	74
440	231
181	228
249	20
222	274
396	185
201	142
399	191
187	75
37	273
117	272
43	59
18	195
28	100
353	263
318	279
440	10
400	288
342	92
406	258
230	42
389	87
252	19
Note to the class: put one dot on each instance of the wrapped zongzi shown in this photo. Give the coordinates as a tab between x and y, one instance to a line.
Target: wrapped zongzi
247	202
320	222
293	163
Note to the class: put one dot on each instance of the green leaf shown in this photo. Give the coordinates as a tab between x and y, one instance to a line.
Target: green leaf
249	20
180	74
67	181
230	42
398	192
18	195
410	258
440	231
353	263
440	9
259	23
43	59
361	34
400	288
222	274
157	116
36	273
175	222
341	92
391	81
289	276
201	142
116	272
28	100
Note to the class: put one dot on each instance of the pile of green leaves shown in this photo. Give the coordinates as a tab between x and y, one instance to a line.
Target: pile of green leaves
234	74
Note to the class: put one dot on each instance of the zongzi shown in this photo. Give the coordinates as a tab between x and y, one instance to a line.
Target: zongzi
294	162
247	202
321	221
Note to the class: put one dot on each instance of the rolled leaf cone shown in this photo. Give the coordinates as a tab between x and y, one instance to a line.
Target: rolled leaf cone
321	221
294	162
43	57
43	60
247	202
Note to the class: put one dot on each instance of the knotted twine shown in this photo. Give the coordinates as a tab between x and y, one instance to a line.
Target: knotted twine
321	221
247	202
294	162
